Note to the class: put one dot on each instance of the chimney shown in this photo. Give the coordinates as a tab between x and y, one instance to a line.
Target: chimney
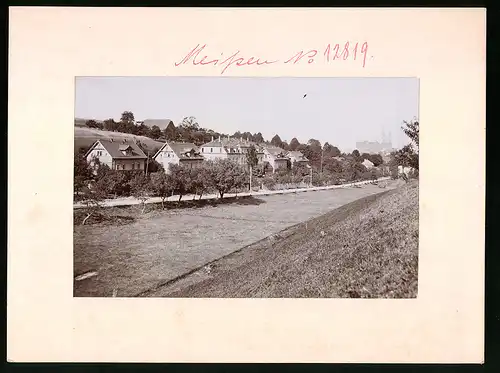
212	138
219	137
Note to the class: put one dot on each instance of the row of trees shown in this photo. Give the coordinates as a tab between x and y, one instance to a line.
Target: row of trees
97	182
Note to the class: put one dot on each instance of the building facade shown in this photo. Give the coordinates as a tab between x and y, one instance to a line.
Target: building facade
275	158
297	158
184	154
122	155
230	148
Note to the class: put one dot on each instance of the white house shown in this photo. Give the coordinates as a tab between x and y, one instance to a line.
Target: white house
275	157
297	158
118	155
230	148
185	154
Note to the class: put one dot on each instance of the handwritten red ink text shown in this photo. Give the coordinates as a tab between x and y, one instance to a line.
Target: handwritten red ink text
234	59
347	51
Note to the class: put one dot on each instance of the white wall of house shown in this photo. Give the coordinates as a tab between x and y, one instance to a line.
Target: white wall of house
129	164
99	152
213	152
275	163
166	157
191	163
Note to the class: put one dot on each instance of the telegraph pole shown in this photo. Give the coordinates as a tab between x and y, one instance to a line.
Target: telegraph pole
321	168
250	179
147	164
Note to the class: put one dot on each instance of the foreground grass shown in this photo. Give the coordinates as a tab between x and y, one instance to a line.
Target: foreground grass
365	249
145	251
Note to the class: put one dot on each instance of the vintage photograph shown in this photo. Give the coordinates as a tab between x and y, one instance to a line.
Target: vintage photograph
246	187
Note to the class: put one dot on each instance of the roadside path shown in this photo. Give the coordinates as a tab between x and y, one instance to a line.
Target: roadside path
129	201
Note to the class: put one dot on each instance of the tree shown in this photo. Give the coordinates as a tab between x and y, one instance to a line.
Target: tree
251	157
189	123
170	131
354	170
143	130
334	166
82	172
412	130
162	186
409	154
181	179
247	136
355	153
141	188
117	182
276	141
155	132
330	150
258	138
93	198
110	125
376	159
91	124
294	143
200	180
127	117
224	175
315	144
406	157
153	165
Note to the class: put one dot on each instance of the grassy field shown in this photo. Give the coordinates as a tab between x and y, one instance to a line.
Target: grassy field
84	137
365	249
145	251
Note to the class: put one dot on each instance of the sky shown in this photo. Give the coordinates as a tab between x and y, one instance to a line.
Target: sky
341	111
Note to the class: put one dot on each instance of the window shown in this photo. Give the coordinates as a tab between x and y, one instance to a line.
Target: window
133	166
203	150
211	150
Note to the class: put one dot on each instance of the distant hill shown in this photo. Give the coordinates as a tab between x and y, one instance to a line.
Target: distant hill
80	122
84	137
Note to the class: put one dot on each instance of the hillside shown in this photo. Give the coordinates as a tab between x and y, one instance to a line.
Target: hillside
367	248
84	137
81	122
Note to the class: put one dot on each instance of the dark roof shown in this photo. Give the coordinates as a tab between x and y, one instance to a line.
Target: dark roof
161	123
184	150
114	148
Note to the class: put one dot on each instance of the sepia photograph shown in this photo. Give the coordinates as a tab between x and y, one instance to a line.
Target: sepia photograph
246	187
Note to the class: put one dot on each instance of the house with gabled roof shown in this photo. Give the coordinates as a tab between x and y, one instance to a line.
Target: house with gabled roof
184	154
275	157
117	154
297	158
230	148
